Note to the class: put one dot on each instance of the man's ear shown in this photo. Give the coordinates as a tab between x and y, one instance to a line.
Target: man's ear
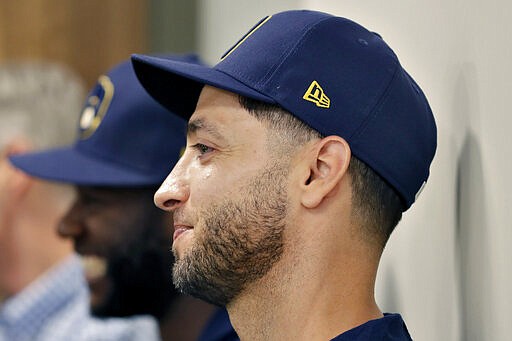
18	145
18	182
328	163
20	185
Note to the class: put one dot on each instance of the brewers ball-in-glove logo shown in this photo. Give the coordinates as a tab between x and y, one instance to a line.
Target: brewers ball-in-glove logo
96	107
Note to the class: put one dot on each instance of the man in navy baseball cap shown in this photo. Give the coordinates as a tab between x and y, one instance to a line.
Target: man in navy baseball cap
127	143
307	142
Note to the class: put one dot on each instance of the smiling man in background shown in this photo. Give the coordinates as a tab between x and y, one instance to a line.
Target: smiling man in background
127	144
307	143
45	297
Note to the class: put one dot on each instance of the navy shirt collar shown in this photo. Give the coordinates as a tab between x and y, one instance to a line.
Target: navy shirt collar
391	327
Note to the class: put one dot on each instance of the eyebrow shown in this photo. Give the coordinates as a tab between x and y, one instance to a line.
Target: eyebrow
201	125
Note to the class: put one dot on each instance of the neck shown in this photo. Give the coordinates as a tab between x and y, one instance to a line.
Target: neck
185	319
317	292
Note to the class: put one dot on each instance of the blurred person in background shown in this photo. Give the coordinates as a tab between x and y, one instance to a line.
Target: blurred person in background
127	143
44	296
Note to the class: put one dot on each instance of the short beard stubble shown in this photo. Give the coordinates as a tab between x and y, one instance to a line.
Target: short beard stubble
241	240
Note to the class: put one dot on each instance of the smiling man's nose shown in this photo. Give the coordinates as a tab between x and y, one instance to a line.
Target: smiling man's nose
71	226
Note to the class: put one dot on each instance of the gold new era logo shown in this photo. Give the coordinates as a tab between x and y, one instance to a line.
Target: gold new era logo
316	94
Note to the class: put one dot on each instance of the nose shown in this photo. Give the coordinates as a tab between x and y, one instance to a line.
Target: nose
174	191
71	225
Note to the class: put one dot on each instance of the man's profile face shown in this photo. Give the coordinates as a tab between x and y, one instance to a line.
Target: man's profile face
230	201
123	240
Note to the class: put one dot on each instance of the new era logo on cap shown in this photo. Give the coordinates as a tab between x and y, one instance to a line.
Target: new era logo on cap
316	94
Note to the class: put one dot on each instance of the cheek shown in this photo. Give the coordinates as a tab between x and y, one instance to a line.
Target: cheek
206	182
107	230
214	182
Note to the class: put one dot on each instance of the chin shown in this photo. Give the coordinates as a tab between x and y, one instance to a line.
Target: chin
99	311
135	286
100	307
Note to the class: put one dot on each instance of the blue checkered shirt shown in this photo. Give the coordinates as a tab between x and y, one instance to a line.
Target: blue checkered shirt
55	307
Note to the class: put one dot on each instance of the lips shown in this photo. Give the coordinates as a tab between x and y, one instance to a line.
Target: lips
95	267
180	229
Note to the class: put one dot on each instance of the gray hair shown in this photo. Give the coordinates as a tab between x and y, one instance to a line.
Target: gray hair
40	101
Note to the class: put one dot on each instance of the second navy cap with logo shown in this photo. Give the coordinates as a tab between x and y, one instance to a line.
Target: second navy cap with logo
125	138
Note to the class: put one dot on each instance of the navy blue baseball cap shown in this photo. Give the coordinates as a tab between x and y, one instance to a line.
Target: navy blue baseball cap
125	138
331	73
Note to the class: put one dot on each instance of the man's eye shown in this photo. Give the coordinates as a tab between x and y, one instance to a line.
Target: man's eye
203	149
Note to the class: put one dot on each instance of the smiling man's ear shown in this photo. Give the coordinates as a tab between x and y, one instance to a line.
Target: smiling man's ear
328	162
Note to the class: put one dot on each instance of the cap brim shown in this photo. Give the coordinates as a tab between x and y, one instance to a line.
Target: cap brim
169	82
72	166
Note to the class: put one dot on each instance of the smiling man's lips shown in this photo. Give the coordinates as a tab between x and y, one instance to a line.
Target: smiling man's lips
95	267
179	230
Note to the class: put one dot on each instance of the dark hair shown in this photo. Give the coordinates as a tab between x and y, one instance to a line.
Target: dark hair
376	204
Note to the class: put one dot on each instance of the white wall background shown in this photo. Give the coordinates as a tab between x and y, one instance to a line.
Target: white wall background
448	266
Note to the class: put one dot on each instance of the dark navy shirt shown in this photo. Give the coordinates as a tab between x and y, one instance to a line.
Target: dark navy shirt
219	328
391	327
